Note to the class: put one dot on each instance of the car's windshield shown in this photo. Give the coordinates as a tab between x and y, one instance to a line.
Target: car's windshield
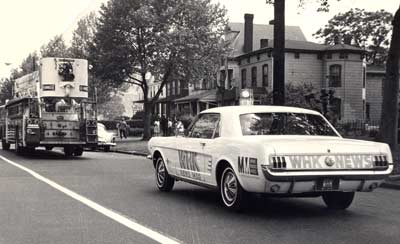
284	124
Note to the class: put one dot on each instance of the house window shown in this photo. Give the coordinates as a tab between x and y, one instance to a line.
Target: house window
254	76
167	89
296	55
173	88
319	56
329	56
178	87
223	76
244	74
335	75
265	75
343	56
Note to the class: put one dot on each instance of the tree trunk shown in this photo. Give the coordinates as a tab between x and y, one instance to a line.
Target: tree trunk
148	112
389	117
279	53
148	109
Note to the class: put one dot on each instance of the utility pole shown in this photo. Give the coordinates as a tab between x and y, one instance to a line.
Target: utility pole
279	53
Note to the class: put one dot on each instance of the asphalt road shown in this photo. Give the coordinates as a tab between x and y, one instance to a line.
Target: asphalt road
32	211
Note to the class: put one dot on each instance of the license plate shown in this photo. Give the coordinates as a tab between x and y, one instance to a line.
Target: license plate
327	184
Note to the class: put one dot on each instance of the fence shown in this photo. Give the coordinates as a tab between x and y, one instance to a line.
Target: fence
359	128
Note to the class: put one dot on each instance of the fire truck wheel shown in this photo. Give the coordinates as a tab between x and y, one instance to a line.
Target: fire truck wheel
78	151
5	145
68	151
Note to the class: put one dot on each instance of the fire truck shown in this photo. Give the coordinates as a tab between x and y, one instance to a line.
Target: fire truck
51	108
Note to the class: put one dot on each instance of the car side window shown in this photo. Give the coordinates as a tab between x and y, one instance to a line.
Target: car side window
205	126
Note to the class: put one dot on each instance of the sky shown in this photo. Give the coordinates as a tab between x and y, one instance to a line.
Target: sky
25	25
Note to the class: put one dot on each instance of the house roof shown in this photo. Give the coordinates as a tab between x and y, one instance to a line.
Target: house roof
305	46
340	47
376	69
262	32
207	96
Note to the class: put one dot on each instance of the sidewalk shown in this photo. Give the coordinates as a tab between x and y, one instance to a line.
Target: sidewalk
135	146
131	145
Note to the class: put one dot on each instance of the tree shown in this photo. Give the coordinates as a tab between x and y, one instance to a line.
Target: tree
82	39
169	39
83	35
365	29
56	47
6	89
111	108
390	109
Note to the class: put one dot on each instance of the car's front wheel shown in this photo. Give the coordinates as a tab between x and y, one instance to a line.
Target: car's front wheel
338	200
232	194
164	181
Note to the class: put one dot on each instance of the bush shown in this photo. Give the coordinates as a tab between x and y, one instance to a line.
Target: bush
109	124
135	132
135	123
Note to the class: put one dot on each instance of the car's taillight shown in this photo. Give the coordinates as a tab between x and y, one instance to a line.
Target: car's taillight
380	161
278	162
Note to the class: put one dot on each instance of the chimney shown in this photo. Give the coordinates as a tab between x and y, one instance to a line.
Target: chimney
248	33
263	43
336	40
347	39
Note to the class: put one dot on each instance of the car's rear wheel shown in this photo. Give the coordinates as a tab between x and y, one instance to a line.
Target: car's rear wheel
338	200
232	194
163	180
78	151
68	151
106	148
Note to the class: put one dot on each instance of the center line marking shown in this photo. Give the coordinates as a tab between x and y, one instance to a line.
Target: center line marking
105	211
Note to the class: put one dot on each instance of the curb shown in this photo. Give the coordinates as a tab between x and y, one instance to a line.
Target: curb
389	183
130	153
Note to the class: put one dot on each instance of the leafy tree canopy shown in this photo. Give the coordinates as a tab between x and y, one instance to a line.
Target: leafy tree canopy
157	36
365	29
56	47
6	89
83	36
170	39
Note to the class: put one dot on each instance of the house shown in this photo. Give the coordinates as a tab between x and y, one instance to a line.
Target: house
340	68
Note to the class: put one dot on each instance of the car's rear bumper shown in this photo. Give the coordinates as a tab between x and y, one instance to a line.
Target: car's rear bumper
310	182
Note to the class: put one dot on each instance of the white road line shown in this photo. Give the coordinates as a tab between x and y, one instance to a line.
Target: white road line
105	211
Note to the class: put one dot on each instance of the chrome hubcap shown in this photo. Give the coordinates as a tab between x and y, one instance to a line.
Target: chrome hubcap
160	172
229	187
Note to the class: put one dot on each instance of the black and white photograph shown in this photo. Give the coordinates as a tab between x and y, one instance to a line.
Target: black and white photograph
199	121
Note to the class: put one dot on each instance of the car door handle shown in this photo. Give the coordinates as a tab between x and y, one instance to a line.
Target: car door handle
202	144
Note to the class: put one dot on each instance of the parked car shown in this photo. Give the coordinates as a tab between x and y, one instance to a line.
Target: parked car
106	139
274	150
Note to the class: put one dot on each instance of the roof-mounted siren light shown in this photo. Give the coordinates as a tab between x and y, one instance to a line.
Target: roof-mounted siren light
66	71
246	97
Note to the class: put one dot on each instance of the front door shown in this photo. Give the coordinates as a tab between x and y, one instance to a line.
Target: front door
194	161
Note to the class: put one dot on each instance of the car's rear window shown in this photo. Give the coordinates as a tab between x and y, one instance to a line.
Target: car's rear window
284	124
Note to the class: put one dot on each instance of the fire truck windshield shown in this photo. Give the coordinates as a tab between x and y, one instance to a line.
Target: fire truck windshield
60	105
